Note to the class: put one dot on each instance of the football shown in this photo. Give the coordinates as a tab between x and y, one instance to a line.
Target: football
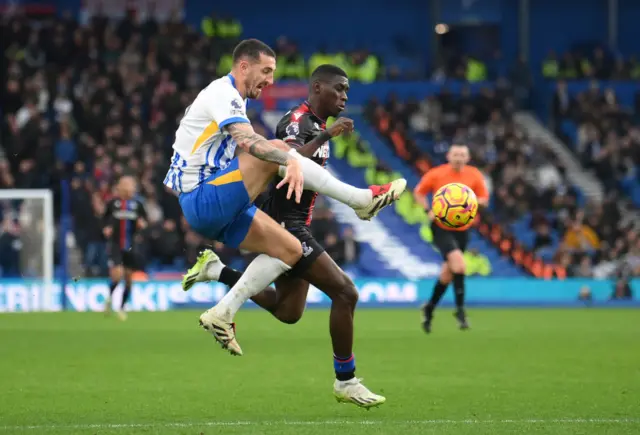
455	206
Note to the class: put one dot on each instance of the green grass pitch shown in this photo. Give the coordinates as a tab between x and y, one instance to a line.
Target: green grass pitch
516	372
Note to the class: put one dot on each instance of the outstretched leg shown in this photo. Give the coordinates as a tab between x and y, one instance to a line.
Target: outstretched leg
367	203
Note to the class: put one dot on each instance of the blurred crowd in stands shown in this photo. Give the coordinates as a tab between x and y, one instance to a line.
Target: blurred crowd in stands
472	69
599	64
89	103
360	65
605	136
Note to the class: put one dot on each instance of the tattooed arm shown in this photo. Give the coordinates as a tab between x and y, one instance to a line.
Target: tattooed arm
256	145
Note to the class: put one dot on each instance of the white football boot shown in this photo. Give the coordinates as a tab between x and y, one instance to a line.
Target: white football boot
353	391
223	331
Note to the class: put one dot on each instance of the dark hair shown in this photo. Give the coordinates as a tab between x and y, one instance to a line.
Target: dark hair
252	48
326	72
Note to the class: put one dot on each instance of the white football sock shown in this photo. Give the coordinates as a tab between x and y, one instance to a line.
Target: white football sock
259	274
212	270
320	180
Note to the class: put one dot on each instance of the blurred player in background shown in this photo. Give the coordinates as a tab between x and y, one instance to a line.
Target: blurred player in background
124	217
217	190
304	128
450	243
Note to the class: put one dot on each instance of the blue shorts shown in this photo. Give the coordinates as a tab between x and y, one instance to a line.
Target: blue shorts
220	208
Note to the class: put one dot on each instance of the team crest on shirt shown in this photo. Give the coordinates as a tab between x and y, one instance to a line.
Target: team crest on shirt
236	104
293	129
237	108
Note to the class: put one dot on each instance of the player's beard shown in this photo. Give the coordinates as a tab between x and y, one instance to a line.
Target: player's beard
254	93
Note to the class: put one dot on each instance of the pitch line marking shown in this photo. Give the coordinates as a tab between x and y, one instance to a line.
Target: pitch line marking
117	426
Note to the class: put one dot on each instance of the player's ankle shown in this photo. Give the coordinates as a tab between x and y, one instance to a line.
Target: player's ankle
345	367
222	313
229	276
212	271
345	376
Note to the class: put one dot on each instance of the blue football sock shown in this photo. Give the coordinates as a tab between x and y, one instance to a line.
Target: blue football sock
345	367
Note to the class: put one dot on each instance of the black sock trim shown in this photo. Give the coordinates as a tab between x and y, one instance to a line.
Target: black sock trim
345	376
229	276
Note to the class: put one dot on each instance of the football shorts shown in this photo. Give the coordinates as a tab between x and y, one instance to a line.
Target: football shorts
220	207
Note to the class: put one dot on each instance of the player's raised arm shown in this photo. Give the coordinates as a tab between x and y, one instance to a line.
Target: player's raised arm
259	147
340	126
256	145
312	146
